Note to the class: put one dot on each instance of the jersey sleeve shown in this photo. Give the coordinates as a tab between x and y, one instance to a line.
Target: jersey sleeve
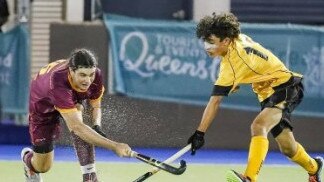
225	81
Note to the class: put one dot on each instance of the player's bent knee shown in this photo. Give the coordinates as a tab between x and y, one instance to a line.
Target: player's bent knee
257	129
43	157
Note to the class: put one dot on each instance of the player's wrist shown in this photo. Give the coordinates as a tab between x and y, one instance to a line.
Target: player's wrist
200	133
97	128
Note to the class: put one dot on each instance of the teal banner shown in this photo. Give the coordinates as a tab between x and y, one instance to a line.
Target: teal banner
14	70
163	60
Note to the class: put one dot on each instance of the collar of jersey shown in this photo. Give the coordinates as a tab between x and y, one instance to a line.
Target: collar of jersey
231	49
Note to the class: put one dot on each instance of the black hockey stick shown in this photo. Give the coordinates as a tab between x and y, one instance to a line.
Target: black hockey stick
167	161
166	167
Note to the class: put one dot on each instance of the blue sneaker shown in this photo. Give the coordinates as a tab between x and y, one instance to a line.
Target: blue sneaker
317	176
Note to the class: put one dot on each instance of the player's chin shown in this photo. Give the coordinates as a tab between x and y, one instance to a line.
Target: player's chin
85	87
210	54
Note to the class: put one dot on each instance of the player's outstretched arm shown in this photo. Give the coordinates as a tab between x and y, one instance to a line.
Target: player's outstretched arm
210	113
197	139
75	124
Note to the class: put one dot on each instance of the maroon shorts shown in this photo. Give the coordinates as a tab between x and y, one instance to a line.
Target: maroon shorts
43	132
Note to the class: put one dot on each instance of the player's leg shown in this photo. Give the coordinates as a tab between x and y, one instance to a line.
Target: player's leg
86	154
285	138
262	124
39	159
37	162
296	153
259	145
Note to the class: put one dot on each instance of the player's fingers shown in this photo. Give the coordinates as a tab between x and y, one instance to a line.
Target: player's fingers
129	152
126	150
132	153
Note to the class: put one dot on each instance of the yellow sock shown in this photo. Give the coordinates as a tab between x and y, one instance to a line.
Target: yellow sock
304	160
258	150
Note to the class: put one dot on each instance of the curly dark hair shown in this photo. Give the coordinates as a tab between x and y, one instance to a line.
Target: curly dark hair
82	58
222	26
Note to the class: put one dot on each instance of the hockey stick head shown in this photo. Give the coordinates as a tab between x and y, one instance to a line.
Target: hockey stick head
171	169
182	168
167	161
161	165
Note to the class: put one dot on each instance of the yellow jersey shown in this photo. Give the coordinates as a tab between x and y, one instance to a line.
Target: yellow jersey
247	62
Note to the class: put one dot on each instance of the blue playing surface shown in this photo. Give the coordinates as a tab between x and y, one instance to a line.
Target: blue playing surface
12	152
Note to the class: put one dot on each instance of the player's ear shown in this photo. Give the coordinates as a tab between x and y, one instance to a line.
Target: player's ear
226	41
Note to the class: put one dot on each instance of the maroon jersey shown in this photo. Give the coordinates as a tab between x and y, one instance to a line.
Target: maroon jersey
52	93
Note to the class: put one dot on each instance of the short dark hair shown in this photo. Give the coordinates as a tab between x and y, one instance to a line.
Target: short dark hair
222	26
82	58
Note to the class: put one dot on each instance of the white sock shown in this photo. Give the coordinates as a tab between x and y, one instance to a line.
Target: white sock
89	168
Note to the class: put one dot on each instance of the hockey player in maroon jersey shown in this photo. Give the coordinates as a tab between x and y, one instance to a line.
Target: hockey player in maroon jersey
58	91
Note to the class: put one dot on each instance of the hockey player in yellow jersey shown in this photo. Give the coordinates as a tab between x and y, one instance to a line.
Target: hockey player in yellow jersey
278	89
